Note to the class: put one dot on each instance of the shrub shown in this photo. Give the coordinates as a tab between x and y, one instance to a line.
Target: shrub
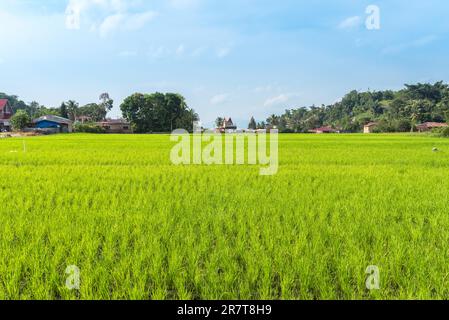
403	125
384	126
89	128
20	120
444	132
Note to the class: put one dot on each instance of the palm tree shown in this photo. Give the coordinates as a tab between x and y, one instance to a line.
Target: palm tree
415	112
72	108
273	120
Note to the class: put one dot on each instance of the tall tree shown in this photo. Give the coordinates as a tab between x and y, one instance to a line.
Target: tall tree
252	124
96	112
174	105
33	108
261	125
219	122
72	108
273	120
63	111
106	101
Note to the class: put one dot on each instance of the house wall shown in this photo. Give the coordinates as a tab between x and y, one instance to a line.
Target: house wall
117	128
5	125
46	124
6	113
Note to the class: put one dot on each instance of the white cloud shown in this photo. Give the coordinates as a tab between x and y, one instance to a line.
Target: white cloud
180	50
139	20
351	22
111	23
219	99
112	14
223	52
280	99
76	8
129	22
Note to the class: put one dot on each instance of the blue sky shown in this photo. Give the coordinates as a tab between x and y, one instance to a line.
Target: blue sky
237	58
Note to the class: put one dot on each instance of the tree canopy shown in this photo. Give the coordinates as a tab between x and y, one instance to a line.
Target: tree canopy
70	109
395	111
252	124
158	112
20	120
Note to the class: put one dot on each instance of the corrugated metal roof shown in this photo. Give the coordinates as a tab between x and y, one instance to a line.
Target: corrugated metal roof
53	118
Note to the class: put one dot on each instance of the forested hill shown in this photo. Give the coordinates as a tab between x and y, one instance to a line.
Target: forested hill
396	111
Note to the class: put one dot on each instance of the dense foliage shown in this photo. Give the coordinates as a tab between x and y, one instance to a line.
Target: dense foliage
20	120
89	127
158	112
70	109
395	111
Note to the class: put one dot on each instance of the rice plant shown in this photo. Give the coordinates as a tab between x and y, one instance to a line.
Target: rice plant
139	227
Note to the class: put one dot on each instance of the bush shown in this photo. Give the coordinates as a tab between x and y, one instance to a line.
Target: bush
443	132
400	125
20	120
384	126
89	128
403	125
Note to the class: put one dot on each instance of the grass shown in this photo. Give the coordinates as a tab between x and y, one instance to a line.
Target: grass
141	228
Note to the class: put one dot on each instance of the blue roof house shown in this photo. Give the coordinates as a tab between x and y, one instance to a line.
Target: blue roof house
54	124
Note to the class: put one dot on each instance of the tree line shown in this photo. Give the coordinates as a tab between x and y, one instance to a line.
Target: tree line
147	113
69	109
394	111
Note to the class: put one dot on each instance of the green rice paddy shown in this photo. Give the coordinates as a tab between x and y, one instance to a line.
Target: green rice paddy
138	227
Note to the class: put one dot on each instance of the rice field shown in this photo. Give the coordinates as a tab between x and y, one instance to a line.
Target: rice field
138	227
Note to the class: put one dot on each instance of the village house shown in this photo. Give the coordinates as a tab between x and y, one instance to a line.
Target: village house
116	126
326	129
427	126
227	126
83	119
370	127
53	124
5	115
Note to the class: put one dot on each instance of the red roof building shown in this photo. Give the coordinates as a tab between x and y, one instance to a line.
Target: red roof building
427	126
116	126
324	130
5	115
5	109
